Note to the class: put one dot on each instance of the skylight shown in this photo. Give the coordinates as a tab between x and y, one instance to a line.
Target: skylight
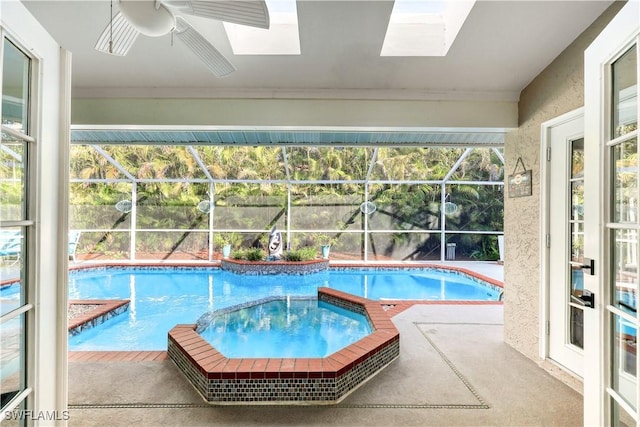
282	37
424	28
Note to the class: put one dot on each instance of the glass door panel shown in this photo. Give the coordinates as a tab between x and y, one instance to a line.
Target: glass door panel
576	327
16	224
15	88
623	419
623	227
577	200
12	367
624	270
576	243
624	379
625	94
12	178
625	181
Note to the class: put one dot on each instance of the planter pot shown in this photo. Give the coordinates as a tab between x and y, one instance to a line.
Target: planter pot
501	247
326	249
226	251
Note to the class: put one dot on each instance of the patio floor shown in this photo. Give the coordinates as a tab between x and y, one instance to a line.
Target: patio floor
454	370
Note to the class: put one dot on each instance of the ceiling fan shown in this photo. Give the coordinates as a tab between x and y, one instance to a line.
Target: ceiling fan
156	18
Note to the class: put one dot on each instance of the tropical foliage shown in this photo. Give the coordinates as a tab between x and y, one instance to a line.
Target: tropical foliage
223	239
253	254
302	254
250	188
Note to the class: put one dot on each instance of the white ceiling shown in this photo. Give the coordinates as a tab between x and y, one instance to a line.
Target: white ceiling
502	46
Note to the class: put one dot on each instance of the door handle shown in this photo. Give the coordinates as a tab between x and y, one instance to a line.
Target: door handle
589	264
587	299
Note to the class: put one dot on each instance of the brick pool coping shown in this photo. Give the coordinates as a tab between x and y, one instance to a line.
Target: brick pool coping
105	310
219	379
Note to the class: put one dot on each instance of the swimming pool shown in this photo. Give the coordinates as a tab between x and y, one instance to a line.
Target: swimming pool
161	297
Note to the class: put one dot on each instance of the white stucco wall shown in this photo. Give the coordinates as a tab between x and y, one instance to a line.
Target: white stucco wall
557	90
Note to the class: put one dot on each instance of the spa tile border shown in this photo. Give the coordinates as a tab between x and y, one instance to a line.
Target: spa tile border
159	266
260	268
325	380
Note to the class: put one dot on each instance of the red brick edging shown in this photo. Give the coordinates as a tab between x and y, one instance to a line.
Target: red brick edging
258	380
104	307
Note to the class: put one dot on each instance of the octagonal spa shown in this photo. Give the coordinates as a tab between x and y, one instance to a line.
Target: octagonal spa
268	380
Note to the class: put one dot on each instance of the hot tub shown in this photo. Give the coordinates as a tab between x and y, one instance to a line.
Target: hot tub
268	380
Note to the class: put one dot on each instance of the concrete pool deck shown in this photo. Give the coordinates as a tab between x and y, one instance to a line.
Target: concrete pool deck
454	369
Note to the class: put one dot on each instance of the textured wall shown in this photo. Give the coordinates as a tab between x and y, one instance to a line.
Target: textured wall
556	90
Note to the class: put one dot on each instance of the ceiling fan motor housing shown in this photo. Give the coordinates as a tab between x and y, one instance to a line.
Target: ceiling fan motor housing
149	17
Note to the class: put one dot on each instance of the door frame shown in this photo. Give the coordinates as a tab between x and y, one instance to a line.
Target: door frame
545	219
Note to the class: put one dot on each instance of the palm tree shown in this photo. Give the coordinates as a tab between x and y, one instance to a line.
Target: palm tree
329	205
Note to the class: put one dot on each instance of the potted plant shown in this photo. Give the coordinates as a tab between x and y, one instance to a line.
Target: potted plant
226	241
325	241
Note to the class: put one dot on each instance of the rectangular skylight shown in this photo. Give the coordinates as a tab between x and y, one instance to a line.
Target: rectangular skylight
282	37
424	28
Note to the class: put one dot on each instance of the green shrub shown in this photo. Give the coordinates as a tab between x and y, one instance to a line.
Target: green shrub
302	254
239	254
254	254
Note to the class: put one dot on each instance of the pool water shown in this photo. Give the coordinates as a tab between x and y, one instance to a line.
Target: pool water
163	297
410	284
285	328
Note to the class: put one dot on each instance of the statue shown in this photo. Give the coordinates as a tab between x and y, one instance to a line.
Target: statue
275	244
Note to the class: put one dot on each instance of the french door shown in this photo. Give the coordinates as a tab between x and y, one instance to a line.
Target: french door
612	222
34	141
563	172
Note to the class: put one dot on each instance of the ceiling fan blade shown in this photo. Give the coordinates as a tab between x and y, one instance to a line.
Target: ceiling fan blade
244	12
118	37
214	60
